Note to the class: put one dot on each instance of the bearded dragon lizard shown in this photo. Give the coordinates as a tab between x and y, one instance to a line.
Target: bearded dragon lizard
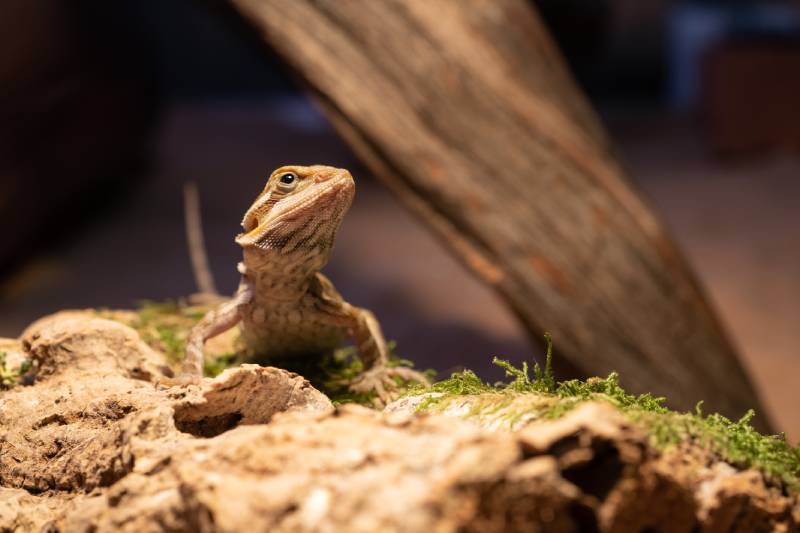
284	305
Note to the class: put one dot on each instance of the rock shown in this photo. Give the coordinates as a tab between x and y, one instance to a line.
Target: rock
73	343
350	470
248	394
738	501
96	445
629	485
94	414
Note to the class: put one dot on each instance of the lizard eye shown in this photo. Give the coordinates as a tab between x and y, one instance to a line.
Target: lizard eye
287	181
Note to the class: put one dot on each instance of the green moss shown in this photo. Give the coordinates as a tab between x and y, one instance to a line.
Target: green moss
214	366
735	442
333	373
10	377
165	326
7	378
543	380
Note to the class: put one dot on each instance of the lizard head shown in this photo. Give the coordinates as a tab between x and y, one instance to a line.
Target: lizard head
299	208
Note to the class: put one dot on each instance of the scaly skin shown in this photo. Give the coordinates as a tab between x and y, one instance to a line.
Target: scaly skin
284	305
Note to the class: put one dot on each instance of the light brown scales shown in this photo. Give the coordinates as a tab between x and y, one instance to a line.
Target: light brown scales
284	305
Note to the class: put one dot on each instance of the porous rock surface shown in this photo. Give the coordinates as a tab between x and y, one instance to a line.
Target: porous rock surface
95	444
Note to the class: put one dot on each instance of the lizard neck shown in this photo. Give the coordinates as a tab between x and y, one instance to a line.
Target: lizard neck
281	276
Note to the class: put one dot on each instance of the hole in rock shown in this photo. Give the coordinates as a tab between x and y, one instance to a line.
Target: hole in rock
584	517
599	475
209	426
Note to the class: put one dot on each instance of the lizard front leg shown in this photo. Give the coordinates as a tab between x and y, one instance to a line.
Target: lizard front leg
216	321
377	375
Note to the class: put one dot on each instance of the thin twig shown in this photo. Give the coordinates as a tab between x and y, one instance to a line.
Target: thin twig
194	235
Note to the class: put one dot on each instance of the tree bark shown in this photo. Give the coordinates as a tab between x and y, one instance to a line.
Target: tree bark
466	110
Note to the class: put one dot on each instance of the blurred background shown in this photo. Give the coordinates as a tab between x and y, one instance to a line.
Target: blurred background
108	110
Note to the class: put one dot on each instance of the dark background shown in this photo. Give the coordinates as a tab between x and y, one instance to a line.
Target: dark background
108	110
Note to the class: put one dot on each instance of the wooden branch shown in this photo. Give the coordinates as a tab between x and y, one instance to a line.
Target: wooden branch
466	110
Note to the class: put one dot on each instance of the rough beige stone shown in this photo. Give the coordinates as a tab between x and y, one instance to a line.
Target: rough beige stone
95	445
93	408
15	355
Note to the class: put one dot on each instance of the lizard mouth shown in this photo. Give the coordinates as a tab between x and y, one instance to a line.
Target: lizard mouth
290	210
250	222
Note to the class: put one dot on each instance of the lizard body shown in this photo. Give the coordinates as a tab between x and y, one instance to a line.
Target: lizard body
284	305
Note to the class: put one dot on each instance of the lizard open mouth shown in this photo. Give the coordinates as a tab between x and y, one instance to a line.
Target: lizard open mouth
283	214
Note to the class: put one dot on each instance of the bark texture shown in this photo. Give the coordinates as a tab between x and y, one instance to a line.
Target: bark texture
467	112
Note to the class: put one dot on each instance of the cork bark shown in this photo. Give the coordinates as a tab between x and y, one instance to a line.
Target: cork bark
466	110
90	443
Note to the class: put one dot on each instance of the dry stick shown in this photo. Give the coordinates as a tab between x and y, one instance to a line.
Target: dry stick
194	235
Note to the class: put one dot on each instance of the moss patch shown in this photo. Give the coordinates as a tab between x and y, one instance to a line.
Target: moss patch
525	398
333	373
165	326
9	377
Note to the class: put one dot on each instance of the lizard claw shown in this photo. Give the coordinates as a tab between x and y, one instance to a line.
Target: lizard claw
381	380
